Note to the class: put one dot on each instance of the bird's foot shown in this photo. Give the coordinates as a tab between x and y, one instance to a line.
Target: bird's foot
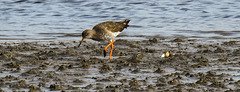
104	53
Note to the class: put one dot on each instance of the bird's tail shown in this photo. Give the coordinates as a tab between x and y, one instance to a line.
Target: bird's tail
125	22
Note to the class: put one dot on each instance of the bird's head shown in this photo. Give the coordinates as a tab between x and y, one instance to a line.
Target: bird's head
86	34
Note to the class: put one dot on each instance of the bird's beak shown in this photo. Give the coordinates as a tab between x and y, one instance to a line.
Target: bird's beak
81	42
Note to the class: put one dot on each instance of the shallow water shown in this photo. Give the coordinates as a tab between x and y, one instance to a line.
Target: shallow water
66	19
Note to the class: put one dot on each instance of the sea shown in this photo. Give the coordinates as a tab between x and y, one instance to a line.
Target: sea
30	20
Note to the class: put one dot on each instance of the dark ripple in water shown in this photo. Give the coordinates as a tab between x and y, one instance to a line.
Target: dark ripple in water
65	19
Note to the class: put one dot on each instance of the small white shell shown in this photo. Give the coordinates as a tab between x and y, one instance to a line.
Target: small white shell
167	54
163	55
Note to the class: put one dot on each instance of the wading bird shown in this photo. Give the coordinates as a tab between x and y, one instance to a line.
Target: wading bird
105	31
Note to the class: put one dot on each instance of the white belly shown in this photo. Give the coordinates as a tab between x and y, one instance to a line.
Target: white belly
115	34
111	35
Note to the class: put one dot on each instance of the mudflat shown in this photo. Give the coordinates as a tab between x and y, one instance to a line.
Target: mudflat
194	65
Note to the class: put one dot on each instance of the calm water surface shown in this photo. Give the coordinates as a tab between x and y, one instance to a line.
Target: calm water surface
66	19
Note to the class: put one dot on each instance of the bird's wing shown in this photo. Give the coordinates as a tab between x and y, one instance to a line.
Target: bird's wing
111	26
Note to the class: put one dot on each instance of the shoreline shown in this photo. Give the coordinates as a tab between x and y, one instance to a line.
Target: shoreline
74	37
137	65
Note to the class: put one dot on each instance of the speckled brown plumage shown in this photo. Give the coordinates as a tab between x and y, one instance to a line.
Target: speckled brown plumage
105	30
112	26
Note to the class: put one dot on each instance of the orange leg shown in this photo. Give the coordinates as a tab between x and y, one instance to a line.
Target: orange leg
111	52
105	50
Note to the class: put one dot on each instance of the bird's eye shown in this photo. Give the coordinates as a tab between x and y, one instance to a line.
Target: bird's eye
84	34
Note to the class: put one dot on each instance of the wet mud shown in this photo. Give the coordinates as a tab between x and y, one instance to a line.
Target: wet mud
194	65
